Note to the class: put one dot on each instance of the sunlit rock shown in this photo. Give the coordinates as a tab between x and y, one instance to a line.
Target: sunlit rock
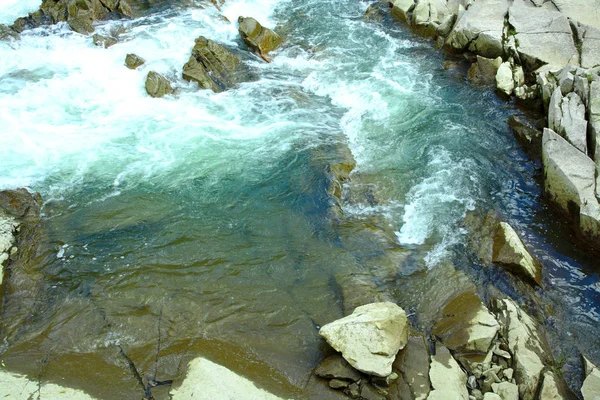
257	37
370	337
157	85
133	61
19	387
591	383
448	380
510	251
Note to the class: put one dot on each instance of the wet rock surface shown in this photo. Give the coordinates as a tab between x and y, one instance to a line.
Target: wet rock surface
257	37
157	85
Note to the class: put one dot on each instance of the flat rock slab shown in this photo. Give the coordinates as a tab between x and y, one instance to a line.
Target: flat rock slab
544	36
370	337
207	380
480	28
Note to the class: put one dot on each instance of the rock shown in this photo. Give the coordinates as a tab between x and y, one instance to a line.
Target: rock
257	37
484	70
338	384
412	366
590	45
207	380
594	120
368	392
547	83
491	396
370	337
447	378
572	125
504	78
510	251
506	390
133	61
569	182
157	85
480	29
353	391
543	36
79	14
428	15
212	66
526	343
8	230
518	76
508	373
591	383
466	325
584	11
103	41
401	8
336	366
554	388
19	387
528	133
555	110
7	33
376	11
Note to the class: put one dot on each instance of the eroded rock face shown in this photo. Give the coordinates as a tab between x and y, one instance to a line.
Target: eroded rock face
370	337
510	251
79	14
570	183
402	8
544	36
208	380
257	37
466	325
480	28
157	85
527	345
212	66
447	378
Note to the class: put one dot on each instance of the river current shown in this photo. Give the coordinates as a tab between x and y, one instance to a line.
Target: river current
198	224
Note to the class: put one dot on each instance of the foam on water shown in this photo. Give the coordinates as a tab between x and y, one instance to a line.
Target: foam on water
13	9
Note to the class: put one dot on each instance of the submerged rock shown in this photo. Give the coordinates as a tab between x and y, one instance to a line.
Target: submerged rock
212	66
370	337
157	85
104	41
590	45
133	61
207	380
257	37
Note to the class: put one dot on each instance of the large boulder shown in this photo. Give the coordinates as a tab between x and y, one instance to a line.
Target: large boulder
504	78
584	11
257	37
526	343
542	36
510	251
133	61
554	388
448	380
591	383
212	66
370	337
484	70
79	14
208	380
428	15
402	8
566	116
570	183
480	29
589	37
466	325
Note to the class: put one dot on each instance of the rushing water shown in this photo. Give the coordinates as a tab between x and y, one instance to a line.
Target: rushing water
200	223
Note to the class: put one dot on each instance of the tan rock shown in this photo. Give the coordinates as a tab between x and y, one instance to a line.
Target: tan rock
157	85
447	378
370	337
19	387
257	37
591	384
504	78
554	388
510	251
133	61
506	390
412	366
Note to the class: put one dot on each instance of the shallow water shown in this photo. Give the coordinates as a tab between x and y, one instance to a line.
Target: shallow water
200	223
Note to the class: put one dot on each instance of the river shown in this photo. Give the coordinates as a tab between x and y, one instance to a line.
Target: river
200	223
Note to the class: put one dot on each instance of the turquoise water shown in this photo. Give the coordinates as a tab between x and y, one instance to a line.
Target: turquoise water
201	223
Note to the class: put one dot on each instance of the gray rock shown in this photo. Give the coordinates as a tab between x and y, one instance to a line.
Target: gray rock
338	384
518	75
583	11
581	86
528	133
506	390
133	61
570	183
573	125
566	79
370	337
527	344
157	85
480	28
336	366
447	378
590	45
547	84
484	70
594	120
591	383
504	78
543	36
402	8
13	386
